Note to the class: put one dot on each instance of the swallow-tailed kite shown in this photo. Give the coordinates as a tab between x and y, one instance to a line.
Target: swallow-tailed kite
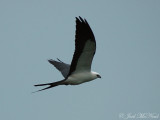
80	69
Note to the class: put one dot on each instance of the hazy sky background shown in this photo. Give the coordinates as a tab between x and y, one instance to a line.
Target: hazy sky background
127	57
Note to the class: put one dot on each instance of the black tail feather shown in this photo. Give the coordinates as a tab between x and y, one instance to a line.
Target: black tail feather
43	89
54	84
42	84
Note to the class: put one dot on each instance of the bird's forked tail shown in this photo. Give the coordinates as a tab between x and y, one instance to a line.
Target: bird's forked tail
54	84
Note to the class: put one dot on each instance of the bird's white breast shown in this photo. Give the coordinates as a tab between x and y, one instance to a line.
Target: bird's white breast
79	78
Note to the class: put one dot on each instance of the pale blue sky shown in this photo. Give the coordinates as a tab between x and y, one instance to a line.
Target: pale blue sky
127	57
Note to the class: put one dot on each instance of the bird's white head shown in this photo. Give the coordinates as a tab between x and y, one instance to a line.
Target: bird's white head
96	75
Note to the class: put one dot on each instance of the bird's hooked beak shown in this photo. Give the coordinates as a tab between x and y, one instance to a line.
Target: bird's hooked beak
98	76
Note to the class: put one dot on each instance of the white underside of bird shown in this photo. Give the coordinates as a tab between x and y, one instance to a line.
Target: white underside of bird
80	77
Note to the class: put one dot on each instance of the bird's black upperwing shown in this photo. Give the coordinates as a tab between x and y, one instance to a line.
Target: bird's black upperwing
85	47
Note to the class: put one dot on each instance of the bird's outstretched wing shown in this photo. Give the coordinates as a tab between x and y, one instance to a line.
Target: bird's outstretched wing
85	47
61	66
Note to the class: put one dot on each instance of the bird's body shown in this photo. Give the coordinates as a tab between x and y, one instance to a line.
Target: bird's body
79	78
80	69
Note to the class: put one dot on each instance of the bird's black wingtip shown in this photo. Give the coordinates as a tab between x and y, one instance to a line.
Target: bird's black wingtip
80	19
59	60
50	60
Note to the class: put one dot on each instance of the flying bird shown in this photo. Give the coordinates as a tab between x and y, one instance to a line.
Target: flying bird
80	69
